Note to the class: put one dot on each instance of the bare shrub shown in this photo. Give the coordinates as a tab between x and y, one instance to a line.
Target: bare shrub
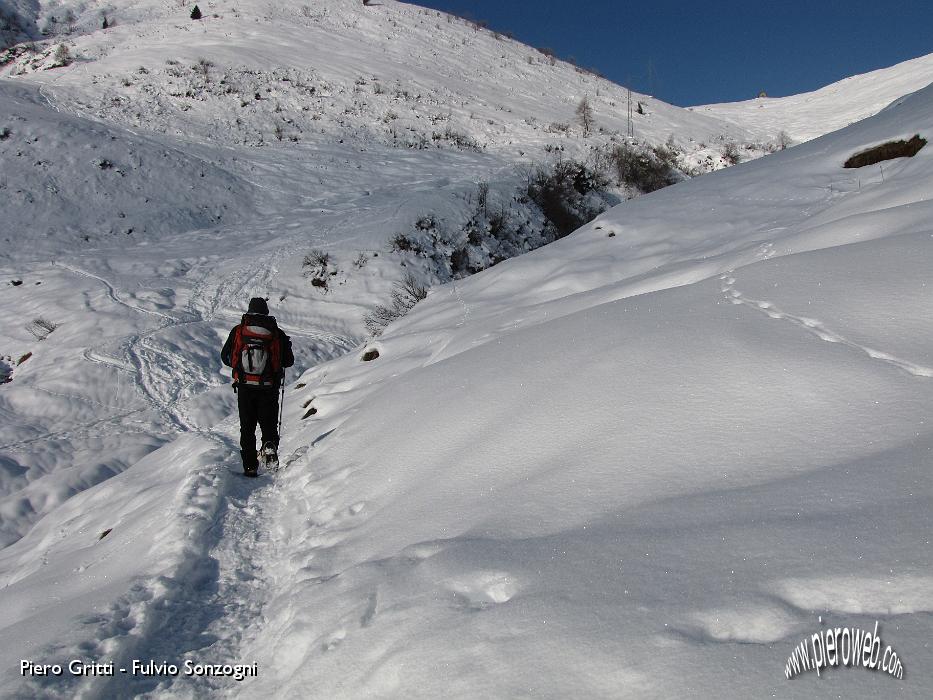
405	294
400	243
730	153
316	263
462	141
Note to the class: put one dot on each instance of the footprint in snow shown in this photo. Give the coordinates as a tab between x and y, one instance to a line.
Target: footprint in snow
423	550
334	640
480	590
818	329
749	623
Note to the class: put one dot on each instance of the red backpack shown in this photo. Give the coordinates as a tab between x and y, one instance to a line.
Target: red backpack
257	351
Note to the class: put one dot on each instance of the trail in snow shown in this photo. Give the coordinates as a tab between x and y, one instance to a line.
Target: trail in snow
162	378
817	328
112	293
207	607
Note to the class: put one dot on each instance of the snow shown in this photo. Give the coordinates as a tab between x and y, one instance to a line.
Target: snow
804	117
645	460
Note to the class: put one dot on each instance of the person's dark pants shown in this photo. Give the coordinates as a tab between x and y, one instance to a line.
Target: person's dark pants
257	406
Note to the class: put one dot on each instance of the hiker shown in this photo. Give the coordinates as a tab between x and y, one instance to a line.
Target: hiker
258	352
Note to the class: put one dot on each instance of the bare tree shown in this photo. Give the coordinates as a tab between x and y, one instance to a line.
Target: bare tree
585	114
482	196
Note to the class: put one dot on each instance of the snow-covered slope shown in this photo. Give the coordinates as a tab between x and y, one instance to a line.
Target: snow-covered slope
811	114
149	195
336	67
639	462
73	179
17	21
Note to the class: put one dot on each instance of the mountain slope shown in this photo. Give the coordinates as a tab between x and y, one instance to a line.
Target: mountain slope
633	465
808	115
72	178
630	465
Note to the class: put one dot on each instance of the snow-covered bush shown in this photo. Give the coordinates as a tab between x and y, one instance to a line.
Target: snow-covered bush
62	56
730	153
561	192
641	168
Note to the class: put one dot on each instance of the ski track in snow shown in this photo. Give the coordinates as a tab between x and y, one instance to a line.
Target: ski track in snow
815	327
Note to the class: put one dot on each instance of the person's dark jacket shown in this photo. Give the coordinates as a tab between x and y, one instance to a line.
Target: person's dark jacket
287	357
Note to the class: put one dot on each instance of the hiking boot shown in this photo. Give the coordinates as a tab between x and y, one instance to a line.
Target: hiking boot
250	463
268	455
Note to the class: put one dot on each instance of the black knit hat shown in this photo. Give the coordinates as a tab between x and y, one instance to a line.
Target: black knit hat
258	305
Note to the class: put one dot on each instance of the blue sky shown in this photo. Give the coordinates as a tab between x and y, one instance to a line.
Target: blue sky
691	53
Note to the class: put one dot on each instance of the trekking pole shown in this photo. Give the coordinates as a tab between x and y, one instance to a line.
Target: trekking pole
281	406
